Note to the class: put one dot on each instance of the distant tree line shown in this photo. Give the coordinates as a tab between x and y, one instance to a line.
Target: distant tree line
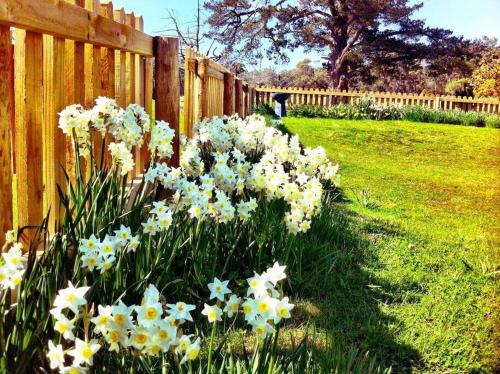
365	44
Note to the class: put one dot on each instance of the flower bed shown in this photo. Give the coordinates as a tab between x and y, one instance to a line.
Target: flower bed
240	200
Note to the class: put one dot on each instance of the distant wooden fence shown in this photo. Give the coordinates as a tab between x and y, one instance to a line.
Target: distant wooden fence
55	53
212	90
328	98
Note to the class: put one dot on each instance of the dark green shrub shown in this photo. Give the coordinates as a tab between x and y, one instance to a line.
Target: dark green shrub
263	109
492	120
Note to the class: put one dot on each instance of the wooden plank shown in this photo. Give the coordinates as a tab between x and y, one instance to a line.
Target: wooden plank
139	25
148	104
54	141
93	83
130	69
228	94
167	86
74	70
238	97
120	65
65	20
139	95
189	68
107	74
6	123
201	90
28	52
107	59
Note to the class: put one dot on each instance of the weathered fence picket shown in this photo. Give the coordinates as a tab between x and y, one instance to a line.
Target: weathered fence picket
211	90
57	53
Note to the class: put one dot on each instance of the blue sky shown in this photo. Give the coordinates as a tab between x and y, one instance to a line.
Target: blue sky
470	18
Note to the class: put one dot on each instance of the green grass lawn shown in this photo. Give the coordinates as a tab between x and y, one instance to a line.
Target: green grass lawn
414	267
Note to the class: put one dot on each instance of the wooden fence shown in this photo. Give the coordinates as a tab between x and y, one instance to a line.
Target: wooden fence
328	98
212	90
55	53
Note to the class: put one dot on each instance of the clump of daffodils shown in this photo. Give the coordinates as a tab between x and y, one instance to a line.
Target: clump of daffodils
231	165
263	306
11	263
101	254
150	328
155	327
70	306
127	127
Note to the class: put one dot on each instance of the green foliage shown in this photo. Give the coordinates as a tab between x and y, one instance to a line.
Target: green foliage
451	117
415	280
486	77
264	109
459	87
366	109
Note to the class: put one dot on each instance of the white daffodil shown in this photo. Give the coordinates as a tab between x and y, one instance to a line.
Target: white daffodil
55	355
115	336
133	243
182	343
257	286
91	260
90	244
73	370
13	257
266	307
261	327
64	326
250	309
121	315
275	273
232	306
192	351
139	337
213	313
107	246
218	289
124	234
84	351
149	314
71	298
151	295
181	311
153	345
101	321
150	227
106	263
164	220
166	333
283	308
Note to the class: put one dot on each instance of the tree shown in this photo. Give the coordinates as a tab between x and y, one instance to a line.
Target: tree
486	77
352	33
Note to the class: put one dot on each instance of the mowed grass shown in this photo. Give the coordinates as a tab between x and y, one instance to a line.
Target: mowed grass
414	278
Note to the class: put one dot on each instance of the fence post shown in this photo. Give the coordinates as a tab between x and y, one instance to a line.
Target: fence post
6	121
167	86
228	94
54	141
28	52
238	97
201	89
437	102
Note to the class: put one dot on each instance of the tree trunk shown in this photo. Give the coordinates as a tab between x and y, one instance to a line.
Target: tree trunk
338	74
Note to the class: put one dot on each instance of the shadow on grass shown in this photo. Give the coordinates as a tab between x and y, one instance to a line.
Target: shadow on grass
337	255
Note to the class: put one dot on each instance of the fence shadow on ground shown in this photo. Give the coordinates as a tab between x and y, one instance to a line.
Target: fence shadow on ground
343	291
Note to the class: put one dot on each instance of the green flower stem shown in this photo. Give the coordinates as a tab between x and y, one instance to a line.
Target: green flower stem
212	336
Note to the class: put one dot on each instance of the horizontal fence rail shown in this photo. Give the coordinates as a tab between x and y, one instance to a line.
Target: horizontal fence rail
212	90
329	98
57	53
